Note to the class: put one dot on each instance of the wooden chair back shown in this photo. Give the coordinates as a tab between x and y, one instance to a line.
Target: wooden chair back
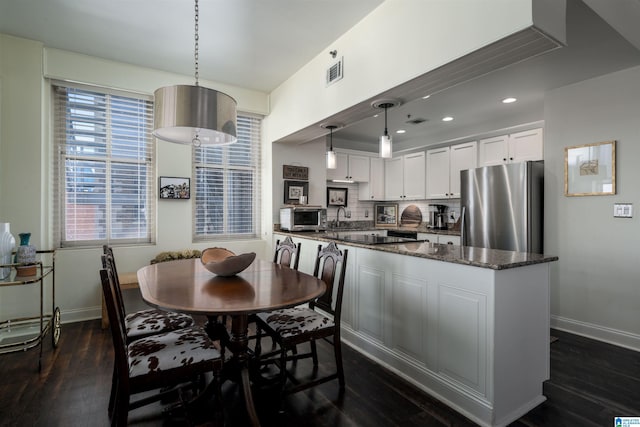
286	252
331	263
109	262
116	322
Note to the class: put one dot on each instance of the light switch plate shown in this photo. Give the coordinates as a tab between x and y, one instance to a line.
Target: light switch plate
622	210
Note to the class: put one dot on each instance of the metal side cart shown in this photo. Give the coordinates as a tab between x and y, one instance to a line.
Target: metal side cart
22	334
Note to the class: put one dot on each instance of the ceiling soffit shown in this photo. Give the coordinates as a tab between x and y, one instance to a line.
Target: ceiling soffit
510	50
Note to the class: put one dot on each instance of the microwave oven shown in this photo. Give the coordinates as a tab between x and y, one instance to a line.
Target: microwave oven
303	218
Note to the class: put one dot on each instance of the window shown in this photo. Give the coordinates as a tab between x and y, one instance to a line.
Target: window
227	186
103	167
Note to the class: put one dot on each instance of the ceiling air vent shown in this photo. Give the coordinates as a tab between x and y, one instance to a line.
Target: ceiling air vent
334	72
416	121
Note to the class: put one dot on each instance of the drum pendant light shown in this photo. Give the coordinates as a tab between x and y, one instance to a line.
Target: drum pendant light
386	148
195	115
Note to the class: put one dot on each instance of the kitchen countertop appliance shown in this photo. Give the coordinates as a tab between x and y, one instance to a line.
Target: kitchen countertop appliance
303	218
502	206
439	217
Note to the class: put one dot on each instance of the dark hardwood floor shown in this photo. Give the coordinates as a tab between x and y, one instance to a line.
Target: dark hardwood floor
591	382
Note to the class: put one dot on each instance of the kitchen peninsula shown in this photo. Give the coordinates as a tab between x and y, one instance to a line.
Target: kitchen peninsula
468	325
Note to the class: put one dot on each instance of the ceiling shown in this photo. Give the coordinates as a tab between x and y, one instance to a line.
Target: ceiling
593	48
255	44
258	44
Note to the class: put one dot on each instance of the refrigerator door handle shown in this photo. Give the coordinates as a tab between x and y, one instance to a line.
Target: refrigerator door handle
463	240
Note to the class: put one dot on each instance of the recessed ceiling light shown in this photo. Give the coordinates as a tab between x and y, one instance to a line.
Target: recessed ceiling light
426	96
447	119
400	131
509	100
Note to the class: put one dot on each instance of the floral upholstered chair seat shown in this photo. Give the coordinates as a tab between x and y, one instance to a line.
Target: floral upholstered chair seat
170	350
292	322
143	323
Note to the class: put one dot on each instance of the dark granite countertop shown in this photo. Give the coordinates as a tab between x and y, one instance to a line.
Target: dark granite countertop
478	257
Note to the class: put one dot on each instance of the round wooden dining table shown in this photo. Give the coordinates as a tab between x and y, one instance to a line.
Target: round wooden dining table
186	286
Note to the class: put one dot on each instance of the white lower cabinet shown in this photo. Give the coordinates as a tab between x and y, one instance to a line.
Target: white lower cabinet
473	337
445	239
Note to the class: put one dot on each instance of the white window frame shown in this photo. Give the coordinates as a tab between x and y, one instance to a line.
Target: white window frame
249	130
114	183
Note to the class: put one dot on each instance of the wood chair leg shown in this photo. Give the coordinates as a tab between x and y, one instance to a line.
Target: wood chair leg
112	394
337	351
314	352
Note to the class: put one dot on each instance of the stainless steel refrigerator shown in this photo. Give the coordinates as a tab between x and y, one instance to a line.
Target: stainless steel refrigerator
502	206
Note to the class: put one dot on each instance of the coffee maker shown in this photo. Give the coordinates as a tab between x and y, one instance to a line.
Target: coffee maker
439	217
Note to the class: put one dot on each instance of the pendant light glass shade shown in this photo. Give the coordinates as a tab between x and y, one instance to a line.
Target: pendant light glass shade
385	146
332	162
194	115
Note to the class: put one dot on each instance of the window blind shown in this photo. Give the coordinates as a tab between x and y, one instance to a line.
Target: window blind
104	167
227	198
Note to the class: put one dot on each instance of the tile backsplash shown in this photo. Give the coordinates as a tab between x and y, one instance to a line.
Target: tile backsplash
363	210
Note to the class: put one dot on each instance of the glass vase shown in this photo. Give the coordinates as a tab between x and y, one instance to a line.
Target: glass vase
7	245
25	254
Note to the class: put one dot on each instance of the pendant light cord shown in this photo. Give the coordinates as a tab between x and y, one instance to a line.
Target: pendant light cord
197	39
385	120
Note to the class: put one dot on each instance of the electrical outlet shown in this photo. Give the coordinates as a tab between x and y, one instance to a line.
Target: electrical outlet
623	210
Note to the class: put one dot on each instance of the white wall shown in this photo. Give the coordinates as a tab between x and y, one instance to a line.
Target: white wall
311	155
595	287
398	41
25	159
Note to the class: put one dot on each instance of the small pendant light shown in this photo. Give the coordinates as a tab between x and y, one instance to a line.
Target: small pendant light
195	115
331	155
386	149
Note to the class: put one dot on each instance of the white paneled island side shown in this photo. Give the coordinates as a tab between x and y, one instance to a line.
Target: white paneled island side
470	326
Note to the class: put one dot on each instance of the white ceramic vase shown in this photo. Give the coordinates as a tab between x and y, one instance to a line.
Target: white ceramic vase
7	245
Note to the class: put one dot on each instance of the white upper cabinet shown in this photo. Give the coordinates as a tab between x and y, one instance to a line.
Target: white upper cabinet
438	173
405	177
517	147
444	166
374	189
350	167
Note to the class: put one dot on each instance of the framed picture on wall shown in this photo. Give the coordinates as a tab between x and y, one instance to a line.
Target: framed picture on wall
337	196
174	187
590	169
386	215
293	190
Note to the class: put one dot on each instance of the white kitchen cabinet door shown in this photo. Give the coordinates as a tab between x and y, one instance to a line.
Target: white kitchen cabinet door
358	168
374	189
342	167
527	145
447	239
438	173
414	176
494	151
461	157
516	147
428	237
393	179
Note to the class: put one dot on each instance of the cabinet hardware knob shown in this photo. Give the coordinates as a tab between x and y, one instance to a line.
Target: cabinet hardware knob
504	159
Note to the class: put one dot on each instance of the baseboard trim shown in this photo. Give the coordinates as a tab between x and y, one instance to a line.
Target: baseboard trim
80	315
597	332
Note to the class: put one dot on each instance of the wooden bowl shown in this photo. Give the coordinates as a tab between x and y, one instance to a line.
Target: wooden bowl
225	263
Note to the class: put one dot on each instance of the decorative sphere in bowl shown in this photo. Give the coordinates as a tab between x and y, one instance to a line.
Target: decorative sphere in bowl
225	263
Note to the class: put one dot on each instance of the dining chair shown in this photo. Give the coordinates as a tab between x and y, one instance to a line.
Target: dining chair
292	326
142	323
160	361
286	252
